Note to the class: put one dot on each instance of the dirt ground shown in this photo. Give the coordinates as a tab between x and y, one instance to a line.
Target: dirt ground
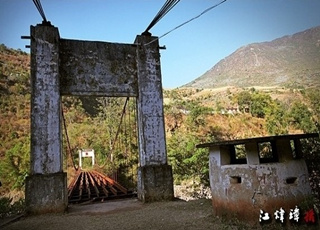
132	214
125	214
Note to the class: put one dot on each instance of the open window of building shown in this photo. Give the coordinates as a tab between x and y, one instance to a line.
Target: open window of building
238	154
267	152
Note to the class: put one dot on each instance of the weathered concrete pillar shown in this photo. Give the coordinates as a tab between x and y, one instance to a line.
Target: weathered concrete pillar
46	187
154	174
252	153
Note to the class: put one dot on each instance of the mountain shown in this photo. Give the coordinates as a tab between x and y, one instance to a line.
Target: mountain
290	61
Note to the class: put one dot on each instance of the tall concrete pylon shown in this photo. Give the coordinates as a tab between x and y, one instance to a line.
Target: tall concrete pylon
46	186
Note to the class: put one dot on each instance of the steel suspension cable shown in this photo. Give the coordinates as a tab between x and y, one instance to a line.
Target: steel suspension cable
67	139
118	130
38	5
186	22
169	4
121	119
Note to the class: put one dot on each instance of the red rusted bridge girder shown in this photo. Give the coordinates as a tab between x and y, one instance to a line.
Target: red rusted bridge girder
93	185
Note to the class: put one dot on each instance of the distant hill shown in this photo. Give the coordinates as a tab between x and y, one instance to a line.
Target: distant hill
291	61
14	71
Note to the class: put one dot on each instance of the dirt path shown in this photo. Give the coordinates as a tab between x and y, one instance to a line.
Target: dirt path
132	214
125	214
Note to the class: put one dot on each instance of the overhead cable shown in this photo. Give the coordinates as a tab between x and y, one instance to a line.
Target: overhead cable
37	3
168	5
67	138
186	22
118	131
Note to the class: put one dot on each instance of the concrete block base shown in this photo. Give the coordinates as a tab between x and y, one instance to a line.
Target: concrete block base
46	193
155	183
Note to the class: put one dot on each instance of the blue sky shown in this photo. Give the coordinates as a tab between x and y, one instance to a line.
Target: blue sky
191	50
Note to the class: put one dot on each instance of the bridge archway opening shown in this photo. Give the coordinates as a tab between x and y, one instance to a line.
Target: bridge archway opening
107	126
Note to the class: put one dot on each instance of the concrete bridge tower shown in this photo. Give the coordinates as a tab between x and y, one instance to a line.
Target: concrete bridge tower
71	67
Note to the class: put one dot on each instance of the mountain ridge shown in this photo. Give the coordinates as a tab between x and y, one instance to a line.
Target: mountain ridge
289	61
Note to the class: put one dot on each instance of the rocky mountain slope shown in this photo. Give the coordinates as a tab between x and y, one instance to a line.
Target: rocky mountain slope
291	61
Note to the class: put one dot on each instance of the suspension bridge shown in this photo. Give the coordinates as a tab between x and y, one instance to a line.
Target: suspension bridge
73	72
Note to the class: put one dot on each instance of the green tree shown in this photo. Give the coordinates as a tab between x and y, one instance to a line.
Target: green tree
197	114
301	118
257	102
187	161
313	96
260	104
16	164
277	119
244	100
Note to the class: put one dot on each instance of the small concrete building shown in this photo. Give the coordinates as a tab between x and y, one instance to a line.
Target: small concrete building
265	173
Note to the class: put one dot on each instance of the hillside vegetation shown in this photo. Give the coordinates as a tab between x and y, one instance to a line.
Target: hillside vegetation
291	61
192	116
14	117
